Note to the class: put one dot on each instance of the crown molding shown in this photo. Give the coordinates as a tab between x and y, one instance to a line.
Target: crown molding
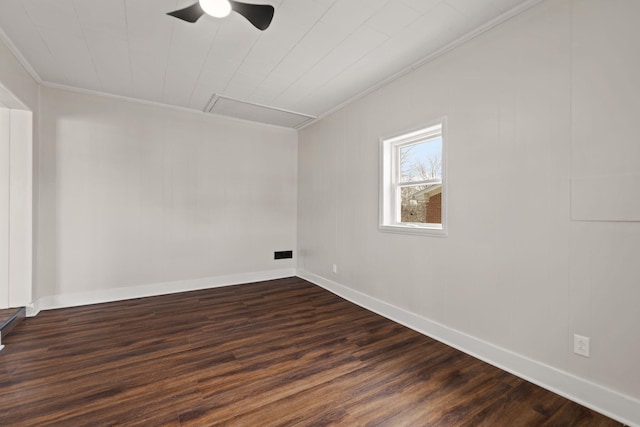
19	56
155	104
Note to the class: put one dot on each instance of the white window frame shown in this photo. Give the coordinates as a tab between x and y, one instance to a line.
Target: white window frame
390	186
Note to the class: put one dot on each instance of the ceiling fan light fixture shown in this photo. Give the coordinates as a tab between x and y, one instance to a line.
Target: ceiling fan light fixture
259	15
216	8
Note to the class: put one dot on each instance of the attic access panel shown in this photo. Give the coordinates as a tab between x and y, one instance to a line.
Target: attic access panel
231	107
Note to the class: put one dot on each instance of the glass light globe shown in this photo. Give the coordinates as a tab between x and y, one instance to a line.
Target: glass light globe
217	8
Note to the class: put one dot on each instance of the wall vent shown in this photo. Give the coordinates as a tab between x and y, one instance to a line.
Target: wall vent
231	107
282	254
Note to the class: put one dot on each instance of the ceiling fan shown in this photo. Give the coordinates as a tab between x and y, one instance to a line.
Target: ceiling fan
260	15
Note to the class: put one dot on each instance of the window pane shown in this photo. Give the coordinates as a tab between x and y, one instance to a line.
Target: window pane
421	161
421	204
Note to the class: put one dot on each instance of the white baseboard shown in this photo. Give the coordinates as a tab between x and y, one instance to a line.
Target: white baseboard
141	291
601	399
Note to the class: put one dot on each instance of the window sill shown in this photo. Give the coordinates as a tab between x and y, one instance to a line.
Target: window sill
415	229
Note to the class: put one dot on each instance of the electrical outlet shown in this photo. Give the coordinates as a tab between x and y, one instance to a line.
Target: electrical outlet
335	269
581	345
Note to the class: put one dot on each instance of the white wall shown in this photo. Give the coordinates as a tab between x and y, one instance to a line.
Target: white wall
138	199
535	107
604	285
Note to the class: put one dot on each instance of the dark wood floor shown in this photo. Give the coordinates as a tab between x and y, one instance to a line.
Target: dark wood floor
283	352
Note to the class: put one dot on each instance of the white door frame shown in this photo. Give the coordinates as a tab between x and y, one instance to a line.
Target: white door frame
5	172
16	196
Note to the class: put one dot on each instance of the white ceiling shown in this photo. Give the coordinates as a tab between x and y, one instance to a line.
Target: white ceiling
317	54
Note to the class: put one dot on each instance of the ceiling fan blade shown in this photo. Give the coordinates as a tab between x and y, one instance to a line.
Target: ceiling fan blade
190	14
260	15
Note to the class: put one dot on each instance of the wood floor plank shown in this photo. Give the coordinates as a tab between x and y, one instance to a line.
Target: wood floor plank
277	353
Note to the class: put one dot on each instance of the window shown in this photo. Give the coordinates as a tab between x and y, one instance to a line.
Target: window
412	185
